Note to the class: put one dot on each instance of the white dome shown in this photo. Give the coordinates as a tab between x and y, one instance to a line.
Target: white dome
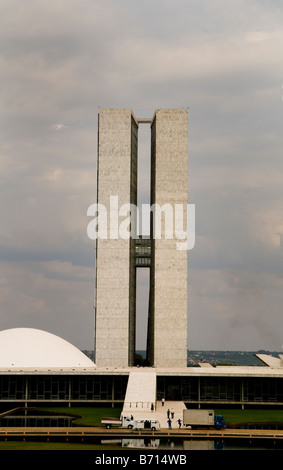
32	348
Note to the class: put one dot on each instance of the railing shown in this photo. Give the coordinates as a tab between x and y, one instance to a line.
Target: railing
139	404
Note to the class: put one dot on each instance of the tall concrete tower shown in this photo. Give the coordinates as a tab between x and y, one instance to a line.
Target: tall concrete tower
118	257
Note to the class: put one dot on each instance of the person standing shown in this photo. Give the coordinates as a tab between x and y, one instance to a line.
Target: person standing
168	413
163	401
180	423
172	414
169	423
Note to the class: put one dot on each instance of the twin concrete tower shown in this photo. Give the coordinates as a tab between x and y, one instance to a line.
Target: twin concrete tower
118	255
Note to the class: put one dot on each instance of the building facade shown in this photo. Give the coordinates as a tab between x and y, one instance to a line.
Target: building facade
196	387
118	258
115	268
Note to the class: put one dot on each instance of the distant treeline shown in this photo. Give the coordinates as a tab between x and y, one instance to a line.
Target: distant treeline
237	358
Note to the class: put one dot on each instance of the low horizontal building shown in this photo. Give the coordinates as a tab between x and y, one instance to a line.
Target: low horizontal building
38	368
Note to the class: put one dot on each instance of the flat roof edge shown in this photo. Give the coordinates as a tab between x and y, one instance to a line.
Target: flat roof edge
220	371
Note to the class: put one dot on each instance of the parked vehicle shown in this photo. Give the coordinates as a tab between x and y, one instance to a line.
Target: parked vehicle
203	418
152	424
111	422
125	422
131	423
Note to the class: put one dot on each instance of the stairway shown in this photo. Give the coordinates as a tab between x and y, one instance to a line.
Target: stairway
141	394
141	391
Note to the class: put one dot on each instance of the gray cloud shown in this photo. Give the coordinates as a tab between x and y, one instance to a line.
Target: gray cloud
59	62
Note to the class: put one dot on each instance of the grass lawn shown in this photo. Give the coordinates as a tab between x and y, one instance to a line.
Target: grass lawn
91	416
87	416
233	417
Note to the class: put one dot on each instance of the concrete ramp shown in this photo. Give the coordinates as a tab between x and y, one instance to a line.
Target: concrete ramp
141	394
141	391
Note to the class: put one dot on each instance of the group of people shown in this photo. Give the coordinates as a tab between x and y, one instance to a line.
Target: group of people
170	416
170	412
169	421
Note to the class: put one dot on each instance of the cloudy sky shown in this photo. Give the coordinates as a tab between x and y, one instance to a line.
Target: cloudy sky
63	59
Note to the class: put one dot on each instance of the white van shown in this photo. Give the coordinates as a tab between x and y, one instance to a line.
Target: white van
152	424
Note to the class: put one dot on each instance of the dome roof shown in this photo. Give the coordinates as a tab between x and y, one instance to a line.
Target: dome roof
30	348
